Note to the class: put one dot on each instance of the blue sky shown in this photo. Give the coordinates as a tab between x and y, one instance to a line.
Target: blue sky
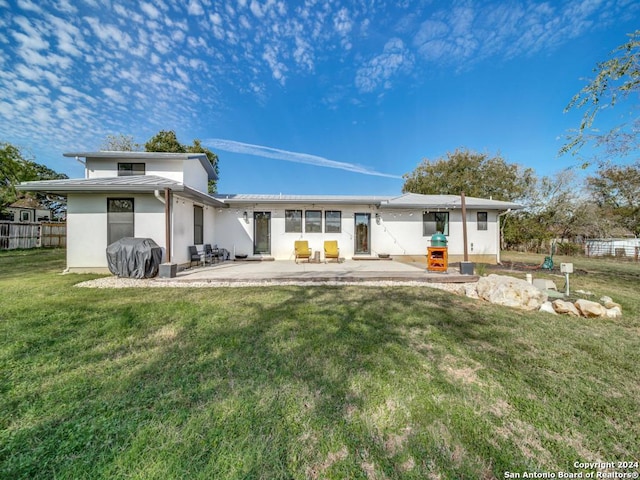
314	97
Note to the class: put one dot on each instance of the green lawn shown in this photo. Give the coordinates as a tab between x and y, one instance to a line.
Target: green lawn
307	382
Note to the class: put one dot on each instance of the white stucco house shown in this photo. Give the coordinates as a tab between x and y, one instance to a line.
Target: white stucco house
163	196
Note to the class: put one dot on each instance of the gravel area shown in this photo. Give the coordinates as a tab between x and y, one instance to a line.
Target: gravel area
115	282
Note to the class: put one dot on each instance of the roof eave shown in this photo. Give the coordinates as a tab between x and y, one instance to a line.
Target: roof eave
120	189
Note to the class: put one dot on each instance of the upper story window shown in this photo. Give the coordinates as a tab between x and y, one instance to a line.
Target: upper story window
128	169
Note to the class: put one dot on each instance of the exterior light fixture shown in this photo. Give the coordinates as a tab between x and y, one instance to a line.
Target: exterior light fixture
378	218
245	215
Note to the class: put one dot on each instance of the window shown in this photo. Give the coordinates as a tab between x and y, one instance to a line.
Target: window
433	222
482	220
333	221
293	221
24	216
198	225
313	221
119	219
128	169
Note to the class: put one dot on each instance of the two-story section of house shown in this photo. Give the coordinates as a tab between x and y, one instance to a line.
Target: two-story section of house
161	196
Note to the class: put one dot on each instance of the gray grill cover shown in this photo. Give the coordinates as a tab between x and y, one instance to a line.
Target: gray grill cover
134	257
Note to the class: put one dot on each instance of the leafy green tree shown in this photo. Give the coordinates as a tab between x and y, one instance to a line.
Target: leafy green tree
11	167
616	79
14	168
167	141
120	143
616	190
213	159
475	174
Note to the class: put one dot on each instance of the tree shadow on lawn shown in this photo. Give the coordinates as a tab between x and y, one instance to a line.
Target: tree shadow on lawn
293	382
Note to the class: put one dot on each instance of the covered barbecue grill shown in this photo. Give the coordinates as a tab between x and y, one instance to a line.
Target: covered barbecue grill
134	257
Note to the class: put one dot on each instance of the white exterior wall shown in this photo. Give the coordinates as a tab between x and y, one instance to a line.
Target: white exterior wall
195	175
105	168
183	234
399	232
189	172
87	227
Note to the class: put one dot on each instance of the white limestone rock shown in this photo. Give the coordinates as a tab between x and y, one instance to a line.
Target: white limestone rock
510	292
614	312
590	309
564	307
548	308
609	303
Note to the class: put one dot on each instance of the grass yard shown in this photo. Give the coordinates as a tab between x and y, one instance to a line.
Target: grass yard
316	382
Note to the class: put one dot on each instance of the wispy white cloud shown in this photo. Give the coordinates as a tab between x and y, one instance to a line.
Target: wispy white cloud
380	69
295	157
165	59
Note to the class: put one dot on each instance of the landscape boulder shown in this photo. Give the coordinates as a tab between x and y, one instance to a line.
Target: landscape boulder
609	303
614	312
564	307
548	307
510	292
590	309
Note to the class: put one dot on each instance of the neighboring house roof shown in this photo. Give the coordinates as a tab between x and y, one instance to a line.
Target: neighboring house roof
147	156
28	202
407	201
127	184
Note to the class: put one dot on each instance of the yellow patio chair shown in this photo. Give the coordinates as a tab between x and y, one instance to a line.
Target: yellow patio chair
302	250
331	250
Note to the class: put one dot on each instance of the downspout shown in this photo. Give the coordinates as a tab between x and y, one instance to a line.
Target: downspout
167	219
86	173
500	233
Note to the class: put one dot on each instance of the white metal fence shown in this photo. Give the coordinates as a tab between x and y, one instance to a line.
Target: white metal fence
628	248
31	235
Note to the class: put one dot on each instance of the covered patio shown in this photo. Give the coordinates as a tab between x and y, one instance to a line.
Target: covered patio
345	271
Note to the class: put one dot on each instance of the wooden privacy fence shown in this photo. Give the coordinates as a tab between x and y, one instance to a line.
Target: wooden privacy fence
31	235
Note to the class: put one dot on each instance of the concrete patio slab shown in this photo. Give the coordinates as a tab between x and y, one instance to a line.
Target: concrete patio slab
289	271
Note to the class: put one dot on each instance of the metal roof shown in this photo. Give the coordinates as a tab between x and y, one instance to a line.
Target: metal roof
128	184
406	201
106	154
451	202
242	198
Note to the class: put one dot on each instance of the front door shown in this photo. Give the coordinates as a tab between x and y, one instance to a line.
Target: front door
262	232
363	234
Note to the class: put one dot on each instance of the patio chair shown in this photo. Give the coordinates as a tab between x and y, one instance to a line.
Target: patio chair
331	250
194	256
302	250
208	253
